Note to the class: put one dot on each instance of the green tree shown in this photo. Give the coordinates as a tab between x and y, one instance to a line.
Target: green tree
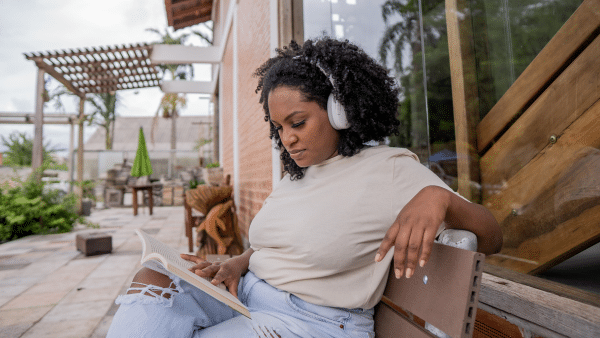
104	111
104	114
20	150
401	42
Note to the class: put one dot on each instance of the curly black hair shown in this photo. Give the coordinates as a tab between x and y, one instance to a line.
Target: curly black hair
365	89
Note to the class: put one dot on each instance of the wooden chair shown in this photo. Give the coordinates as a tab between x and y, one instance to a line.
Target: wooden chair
193	218
439	298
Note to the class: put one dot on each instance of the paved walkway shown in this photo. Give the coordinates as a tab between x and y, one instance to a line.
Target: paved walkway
49	289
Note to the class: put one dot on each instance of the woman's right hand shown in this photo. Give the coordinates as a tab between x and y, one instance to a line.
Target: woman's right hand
228	272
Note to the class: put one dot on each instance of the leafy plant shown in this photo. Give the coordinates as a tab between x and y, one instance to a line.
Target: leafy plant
88	188
213	165
31	209
195	183
20	150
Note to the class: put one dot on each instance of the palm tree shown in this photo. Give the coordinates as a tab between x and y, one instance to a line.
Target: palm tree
402	42
172	102
104	114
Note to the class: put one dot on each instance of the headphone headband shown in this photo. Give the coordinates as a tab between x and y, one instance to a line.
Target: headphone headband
335	110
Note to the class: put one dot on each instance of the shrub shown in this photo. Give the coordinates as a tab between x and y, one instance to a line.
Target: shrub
30	209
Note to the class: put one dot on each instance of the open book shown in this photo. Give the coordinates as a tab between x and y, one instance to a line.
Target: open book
157	256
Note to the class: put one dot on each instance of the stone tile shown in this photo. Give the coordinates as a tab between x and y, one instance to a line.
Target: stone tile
14	290
81	266
4	300
102	328
15	330
34	300
101	282
55	284
17	280
20	316
14	252
81	295
69	328
7	274
78	311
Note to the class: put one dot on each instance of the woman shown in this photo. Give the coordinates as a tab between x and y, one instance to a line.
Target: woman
320	246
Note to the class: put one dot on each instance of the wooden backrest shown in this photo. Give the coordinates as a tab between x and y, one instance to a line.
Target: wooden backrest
539	148
444	294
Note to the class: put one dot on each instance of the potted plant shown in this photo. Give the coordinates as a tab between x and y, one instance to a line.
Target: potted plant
213	173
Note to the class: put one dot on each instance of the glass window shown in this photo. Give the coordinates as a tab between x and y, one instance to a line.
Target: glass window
509	35
361	22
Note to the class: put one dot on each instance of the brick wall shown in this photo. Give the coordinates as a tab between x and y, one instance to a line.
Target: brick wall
226	112
255	172
255	145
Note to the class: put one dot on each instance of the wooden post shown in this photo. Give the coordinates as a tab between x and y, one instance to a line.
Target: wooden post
291	25
70	156
464	95
37	156
215	126
80	153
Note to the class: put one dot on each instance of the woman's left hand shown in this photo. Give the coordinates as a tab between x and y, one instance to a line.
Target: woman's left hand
414	230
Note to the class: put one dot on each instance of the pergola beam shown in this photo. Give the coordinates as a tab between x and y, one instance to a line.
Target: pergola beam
50	70
177	54
189	87
78	69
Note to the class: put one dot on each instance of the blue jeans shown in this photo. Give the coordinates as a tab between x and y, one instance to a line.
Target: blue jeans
189	312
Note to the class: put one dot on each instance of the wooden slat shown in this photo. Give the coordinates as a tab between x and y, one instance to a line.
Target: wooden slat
550	312
50	70
448	269
464	94
179	24
553	247
545	170
556	288
572	93
577	30
198	10
390	324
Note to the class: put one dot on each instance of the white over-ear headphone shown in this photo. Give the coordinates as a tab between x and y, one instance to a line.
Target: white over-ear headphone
335	110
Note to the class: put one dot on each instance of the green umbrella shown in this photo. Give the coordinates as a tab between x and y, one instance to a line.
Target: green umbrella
141	164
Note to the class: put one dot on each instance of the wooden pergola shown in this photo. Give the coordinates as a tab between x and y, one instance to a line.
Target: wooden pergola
90	71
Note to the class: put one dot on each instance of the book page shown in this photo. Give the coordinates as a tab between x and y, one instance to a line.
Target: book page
170	254
153	249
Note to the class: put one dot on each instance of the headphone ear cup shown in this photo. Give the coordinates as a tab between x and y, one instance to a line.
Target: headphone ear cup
337	114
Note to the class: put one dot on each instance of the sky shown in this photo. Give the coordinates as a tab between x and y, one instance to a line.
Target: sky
41	25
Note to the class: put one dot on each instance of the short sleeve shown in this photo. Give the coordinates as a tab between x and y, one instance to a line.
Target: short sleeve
410	177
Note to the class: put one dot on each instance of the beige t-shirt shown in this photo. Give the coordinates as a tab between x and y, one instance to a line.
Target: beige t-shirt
317	237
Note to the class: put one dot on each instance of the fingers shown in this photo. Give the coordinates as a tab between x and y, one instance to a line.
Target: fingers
232	286
411	249
412	252
205	269
400	245
192	258
388	241
428	238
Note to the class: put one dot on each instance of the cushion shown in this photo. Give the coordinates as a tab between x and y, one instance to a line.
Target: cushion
205	197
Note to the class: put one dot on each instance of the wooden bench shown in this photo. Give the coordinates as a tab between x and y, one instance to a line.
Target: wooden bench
442	296
439	300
